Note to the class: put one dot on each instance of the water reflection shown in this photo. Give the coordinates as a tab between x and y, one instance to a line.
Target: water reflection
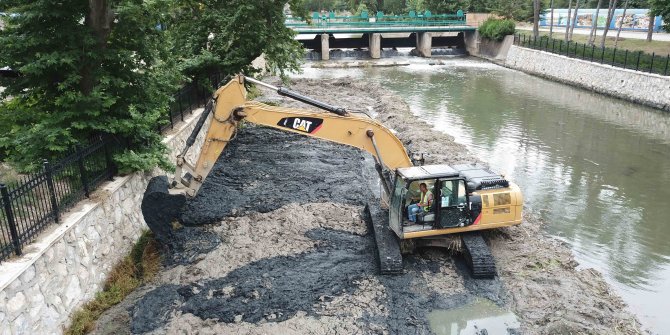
460	321
597	168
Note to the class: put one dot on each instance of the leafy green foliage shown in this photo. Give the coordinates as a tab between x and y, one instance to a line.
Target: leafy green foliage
103	66
79	79
228	35
496	29
662	8
446	6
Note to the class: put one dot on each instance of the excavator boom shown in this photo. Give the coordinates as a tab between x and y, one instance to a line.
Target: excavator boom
232	107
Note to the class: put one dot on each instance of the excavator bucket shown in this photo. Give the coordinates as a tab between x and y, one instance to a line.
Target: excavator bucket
161	209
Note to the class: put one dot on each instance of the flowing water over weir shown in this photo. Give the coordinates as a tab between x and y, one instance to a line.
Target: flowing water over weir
596	168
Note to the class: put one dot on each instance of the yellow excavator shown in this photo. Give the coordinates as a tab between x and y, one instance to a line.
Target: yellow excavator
465	199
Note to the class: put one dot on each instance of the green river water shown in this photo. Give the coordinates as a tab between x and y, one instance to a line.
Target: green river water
595	167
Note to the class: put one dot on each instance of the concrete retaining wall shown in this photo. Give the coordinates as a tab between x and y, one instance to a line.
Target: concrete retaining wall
648	89
486	48
67	265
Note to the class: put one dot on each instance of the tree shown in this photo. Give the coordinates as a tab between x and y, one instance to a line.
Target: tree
661	8
519	10
551	18
574	20
103	66
623	17
446	6
228	35
567	25
594	26
650	27
87	67
536	18
415	5
610	14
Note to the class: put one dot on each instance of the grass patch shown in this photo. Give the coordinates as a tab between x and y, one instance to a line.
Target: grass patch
139	266
619	57
660	48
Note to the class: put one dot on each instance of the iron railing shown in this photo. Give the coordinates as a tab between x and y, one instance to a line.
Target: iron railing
379	20
35	201
623	58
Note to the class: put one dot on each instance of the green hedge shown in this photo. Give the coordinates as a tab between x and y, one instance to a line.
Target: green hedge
497	29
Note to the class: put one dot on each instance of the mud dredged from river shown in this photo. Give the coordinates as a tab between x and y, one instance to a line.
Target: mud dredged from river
276	243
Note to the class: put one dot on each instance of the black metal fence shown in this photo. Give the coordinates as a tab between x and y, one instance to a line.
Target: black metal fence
31	204
634	60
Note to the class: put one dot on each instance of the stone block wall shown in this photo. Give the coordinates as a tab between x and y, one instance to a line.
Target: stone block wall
645	88
67	265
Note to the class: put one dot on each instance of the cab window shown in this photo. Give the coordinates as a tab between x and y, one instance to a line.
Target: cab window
452	193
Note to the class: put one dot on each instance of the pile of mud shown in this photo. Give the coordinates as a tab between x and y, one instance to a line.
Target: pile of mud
293	255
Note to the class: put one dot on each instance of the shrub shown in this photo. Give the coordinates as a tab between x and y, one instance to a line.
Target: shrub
496	29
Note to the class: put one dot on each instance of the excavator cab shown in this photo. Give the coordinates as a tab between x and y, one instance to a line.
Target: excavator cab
450	205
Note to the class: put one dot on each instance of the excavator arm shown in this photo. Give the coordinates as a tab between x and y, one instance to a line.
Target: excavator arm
230	107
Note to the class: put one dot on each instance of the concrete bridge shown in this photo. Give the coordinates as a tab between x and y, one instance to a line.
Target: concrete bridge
422	31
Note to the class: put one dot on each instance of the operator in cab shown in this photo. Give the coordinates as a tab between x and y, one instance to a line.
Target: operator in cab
426	200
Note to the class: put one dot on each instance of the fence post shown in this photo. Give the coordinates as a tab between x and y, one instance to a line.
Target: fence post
602	55
109	163
181	112
567	49
613	56
171	121
560	47
82	170
593	50
10	219
553	45
52	190
625	59
667	60
651	67
637	66
584	51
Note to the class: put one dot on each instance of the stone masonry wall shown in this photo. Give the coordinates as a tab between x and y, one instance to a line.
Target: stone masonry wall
648	89
67	264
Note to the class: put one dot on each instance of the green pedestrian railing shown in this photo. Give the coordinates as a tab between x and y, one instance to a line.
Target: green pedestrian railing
381	20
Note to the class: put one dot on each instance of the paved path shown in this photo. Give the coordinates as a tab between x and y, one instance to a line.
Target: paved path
665	37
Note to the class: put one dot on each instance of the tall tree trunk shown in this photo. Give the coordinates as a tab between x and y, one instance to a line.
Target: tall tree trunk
567	24
623	17
650	29
594	27
574	20
551	17
536	18
610	15
99	19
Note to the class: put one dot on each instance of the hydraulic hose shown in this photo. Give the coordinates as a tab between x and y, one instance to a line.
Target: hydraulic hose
302	98
198	127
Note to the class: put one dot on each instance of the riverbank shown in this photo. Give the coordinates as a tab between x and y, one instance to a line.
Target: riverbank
290	253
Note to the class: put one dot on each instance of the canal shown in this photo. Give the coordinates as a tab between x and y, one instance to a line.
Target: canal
597	169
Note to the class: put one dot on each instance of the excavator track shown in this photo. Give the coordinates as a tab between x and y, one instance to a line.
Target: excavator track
388	247
478	255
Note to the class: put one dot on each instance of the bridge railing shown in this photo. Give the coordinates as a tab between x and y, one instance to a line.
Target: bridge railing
331	20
